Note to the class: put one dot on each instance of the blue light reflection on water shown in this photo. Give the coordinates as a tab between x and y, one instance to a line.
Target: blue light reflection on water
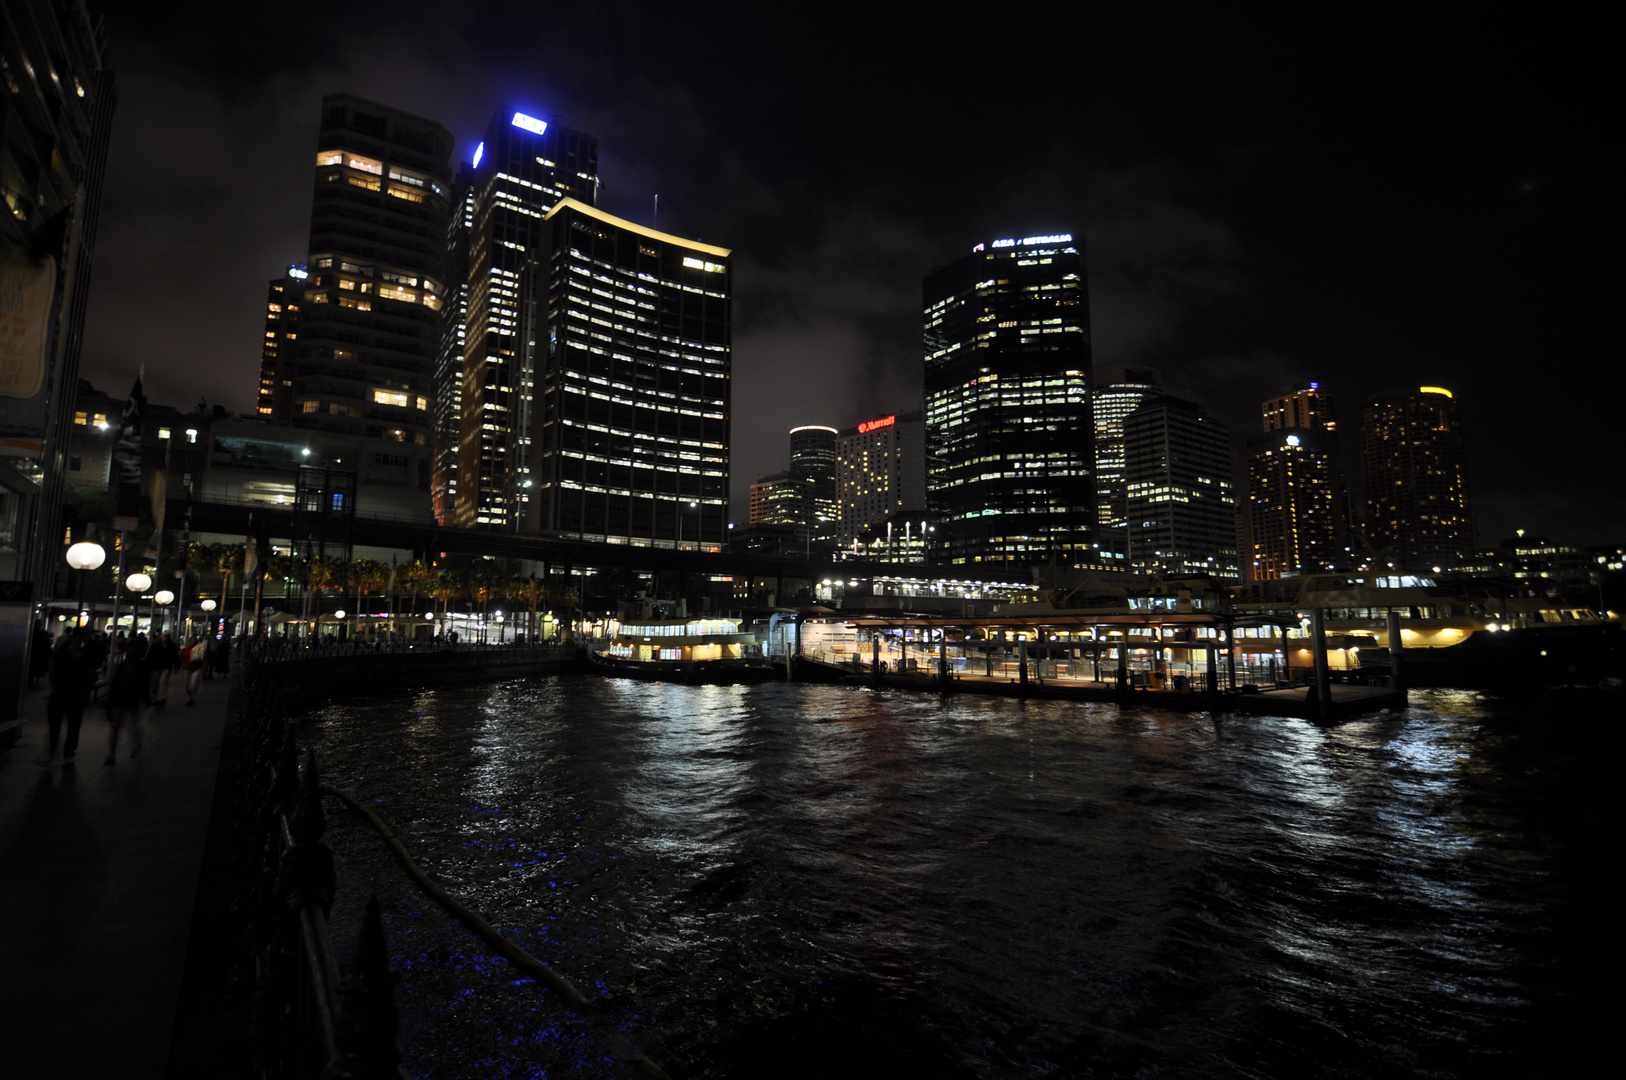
959	886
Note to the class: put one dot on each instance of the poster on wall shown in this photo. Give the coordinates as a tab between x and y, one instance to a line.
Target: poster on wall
27	291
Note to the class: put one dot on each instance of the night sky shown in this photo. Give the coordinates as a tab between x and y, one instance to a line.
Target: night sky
1335	196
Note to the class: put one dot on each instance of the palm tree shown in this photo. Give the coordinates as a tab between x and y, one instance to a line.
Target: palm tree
417	575
321	572
366	576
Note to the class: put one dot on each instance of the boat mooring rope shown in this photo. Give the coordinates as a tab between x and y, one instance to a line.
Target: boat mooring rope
515	955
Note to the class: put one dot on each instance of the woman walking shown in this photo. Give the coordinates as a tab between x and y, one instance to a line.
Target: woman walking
127	696
192	666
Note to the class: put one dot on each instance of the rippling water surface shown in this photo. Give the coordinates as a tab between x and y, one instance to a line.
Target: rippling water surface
804	881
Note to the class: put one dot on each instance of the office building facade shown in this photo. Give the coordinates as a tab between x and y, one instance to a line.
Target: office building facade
1179	494
1008	415
1118	391
520	172
1414	469
630	389
777	499
369	322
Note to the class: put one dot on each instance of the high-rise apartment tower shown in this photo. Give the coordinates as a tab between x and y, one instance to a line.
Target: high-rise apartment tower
1415	473
1118	391
1009	426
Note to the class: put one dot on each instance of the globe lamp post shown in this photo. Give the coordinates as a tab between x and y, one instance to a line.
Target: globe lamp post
84	557
162	599
137	583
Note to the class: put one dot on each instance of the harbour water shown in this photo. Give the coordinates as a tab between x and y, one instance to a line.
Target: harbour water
783	880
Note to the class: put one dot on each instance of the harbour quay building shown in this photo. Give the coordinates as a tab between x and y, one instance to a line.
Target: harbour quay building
1009	427
622	397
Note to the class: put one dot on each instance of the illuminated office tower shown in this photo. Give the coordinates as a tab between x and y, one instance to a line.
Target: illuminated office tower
521	170
881	483
1179	493
448	396
1413	468
777	499
369	323
1009	426
631	399
1295	517
1119	390
279	350
813	462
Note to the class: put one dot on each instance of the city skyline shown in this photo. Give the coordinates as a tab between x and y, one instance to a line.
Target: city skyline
1426	235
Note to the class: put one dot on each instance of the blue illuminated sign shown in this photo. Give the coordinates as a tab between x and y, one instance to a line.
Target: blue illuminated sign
529	123
479	152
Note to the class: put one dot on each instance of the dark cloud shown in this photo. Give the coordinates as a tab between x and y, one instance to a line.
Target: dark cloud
1262	202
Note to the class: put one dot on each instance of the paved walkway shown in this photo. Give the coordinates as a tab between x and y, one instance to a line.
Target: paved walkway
99	869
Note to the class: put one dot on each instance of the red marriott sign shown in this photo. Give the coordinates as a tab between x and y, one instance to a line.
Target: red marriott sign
871	425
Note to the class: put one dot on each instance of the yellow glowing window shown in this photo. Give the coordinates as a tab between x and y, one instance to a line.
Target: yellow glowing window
395	292
365	165
390	397
81	418
406	193
359	305
423	404
329	157
310	406
365	182
701	264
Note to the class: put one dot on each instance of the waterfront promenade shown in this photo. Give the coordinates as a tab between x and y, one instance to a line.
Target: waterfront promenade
99	869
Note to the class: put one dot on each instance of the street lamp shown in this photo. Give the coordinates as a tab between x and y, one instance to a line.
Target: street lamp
161	599
84	556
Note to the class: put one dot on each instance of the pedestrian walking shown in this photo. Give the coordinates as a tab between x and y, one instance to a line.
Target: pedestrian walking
127	696
73	677
193	663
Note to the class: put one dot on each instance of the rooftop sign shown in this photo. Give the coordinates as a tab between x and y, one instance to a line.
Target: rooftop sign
1029	241
871	425
530	123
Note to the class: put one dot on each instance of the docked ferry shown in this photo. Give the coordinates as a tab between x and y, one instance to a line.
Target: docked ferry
704	649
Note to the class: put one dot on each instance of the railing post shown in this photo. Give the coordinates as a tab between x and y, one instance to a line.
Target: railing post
367	1023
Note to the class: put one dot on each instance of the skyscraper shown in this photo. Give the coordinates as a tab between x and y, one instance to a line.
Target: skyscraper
279	350
1007	379
1118	391
1295	515
630	393
369	324
520	172
448	386
813	462
1414	470
1180	496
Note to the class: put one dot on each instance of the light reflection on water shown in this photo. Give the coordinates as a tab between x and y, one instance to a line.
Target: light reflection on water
957	886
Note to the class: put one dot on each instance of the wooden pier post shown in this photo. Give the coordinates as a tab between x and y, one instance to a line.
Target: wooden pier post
1397	681
1318	649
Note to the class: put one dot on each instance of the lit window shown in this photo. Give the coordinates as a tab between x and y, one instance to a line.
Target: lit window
81	418
310	406
163	433
191	435
388	397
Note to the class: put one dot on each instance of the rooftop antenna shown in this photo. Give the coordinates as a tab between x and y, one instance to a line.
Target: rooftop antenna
656	224
597	183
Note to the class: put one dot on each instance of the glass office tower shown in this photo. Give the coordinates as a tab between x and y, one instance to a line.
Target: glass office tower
629	415
1007	379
